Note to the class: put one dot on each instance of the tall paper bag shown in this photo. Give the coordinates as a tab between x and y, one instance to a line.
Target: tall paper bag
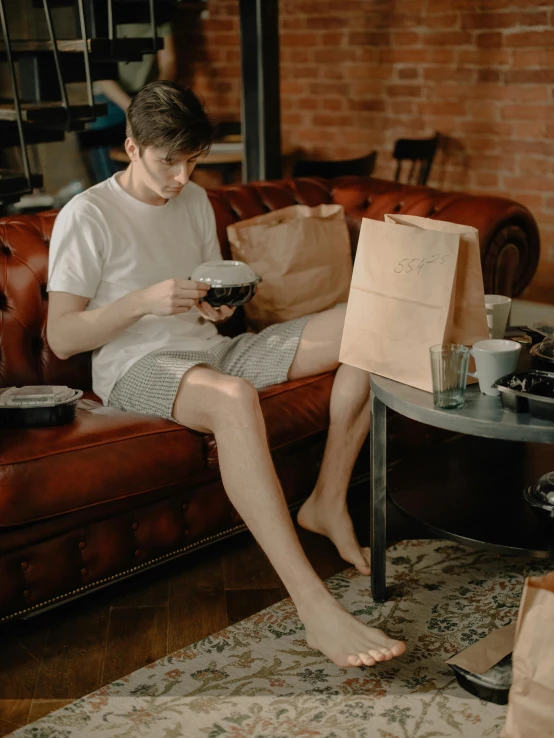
531	699
416	282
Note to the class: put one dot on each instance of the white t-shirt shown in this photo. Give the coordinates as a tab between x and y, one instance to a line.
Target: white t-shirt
106	243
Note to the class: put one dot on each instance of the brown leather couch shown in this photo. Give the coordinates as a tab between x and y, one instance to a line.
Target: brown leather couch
114	493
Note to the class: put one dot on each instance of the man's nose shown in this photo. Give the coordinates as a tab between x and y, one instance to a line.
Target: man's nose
183	175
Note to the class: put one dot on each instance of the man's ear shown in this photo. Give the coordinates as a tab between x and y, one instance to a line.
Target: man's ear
132	149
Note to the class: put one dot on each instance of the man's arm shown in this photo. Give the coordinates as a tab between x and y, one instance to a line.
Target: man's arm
72	329
167	60
114	92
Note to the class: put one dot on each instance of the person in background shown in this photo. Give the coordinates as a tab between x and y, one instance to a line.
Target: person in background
117	95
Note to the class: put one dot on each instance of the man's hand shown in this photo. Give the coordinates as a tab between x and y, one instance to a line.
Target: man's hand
216	315
171	297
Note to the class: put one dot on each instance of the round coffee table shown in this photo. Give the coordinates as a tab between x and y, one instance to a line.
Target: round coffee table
482	415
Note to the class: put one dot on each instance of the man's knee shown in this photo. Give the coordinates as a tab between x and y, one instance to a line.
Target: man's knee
206	398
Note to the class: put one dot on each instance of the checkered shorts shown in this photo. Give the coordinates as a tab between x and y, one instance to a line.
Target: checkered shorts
150	386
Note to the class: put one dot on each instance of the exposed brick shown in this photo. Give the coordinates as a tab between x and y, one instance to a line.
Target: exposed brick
530	38
481	126
443	20
307	103
292	118
408	73
333	103
482	110
489	40
516	146
530	76
523	58
328	119
440	55
357	75
367	87
486	179
325	88
402	107
457	74
531	129
488	75
368	38
534	94
406	38
334	56
535	165
299	56
404	56
442	108
484	57
291	87
448	38
528	184
326	22
528	112
300	39
306	72
375	104
333	39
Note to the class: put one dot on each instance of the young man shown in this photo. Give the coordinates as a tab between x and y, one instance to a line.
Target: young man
120	256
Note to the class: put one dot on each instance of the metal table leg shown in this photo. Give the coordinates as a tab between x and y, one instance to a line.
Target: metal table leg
378	502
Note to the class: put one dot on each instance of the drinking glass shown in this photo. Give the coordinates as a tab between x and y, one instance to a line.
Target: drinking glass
449	362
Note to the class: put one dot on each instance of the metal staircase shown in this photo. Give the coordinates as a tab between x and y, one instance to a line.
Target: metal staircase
39	109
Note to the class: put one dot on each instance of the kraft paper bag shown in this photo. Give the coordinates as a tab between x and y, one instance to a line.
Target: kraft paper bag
531	700
417	282
303	256
486	653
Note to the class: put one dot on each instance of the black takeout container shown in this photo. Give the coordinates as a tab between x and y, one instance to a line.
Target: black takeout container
40	416
529	391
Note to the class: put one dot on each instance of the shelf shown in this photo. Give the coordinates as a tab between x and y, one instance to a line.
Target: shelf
14	184
471	490
9	135
51	113
100	49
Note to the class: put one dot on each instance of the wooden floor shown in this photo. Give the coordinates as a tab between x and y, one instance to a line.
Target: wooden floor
52	659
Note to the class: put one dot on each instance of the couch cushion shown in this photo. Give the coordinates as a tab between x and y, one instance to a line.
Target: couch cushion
109	455
104	455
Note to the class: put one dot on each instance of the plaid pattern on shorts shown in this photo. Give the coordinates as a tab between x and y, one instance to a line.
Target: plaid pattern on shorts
264	359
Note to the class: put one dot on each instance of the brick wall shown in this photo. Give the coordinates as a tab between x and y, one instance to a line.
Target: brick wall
358	74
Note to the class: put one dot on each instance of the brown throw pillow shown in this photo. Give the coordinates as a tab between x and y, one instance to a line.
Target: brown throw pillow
303	256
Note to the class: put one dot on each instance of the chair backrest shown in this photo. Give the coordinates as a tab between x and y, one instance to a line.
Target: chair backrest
420	152
331	169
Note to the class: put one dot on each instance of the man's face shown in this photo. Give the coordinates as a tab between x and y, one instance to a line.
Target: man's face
164	177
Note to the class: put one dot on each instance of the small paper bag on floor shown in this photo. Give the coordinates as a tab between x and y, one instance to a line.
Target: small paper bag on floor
531	700
417	282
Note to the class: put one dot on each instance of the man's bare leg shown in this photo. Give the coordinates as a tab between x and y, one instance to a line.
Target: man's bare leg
325	511
211	402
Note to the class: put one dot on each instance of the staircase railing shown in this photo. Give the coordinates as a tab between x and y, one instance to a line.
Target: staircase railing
16	100
61	83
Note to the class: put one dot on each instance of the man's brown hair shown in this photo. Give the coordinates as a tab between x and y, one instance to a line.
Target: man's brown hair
164	115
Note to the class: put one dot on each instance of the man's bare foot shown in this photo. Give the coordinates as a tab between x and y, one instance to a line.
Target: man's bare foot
336	524
344	639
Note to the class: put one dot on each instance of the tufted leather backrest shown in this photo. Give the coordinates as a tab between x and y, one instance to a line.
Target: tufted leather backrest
507	230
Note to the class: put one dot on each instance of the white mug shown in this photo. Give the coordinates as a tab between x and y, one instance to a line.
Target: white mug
498	310
494	359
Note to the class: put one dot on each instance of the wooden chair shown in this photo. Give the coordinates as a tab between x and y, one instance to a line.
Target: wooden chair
420	152
331	169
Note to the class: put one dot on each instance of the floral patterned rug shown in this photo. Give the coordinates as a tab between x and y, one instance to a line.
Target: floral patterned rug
258	677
